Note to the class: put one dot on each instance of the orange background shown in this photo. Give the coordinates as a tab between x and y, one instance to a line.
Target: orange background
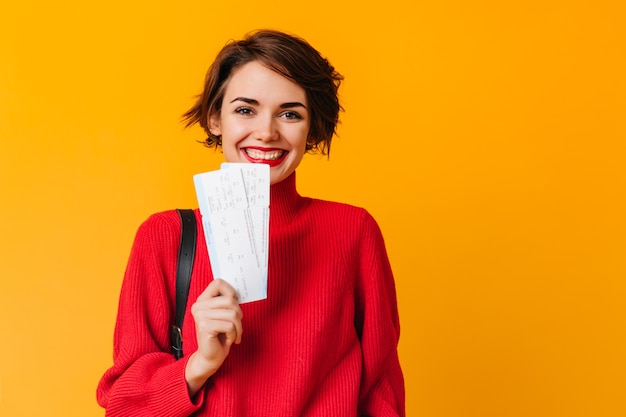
486	137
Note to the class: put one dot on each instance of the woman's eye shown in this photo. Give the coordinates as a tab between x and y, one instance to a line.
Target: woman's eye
292	115
245	111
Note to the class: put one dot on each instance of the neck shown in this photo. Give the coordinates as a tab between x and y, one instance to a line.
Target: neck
284	200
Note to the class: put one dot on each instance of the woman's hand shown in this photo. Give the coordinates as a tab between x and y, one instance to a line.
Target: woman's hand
218	325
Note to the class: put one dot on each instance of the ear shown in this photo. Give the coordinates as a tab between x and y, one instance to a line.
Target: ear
214	124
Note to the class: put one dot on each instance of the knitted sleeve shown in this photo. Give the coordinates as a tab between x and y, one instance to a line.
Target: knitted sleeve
382	386
145	379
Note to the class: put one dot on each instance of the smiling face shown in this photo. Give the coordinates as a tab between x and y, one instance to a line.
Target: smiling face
264	119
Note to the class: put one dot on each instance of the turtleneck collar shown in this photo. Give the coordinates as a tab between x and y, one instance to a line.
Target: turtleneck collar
284	200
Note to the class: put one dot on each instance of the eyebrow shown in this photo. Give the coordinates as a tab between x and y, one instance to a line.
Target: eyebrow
288	105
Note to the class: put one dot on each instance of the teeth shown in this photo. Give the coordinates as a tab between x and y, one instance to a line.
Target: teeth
268	156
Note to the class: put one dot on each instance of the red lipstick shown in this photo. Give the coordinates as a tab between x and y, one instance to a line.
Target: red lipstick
256	151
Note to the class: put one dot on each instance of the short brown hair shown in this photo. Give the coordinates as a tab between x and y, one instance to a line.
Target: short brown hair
288	55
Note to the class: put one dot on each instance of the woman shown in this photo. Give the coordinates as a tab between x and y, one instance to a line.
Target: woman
324	342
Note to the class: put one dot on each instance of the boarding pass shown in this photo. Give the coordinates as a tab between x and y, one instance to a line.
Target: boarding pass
234	203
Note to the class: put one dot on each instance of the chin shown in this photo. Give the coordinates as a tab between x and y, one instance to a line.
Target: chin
275	179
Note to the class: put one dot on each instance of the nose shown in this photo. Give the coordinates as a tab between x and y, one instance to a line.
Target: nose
266	129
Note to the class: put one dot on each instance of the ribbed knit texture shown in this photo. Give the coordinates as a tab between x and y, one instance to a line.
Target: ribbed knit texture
324	342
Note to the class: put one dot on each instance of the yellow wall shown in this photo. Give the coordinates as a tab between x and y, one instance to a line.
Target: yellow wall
487	137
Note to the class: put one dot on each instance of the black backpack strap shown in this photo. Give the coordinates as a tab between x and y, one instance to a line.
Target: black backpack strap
184	267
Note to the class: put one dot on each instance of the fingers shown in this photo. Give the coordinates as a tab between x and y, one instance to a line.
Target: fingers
217	313
216	317
218	287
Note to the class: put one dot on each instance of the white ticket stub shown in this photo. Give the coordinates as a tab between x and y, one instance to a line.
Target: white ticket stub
234	203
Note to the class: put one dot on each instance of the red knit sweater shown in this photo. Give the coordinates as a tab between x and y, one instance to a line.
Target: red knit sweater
324	342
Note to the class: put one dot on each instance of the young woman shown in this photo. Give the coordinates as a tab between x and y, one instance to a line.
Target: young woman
324	342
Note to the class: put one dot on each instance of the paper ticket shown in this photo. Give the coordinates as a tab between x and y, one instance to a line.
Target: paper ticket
234	203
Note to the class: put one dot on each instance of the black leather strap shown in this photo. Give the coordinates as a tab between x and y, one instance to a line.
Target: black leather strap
184	267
